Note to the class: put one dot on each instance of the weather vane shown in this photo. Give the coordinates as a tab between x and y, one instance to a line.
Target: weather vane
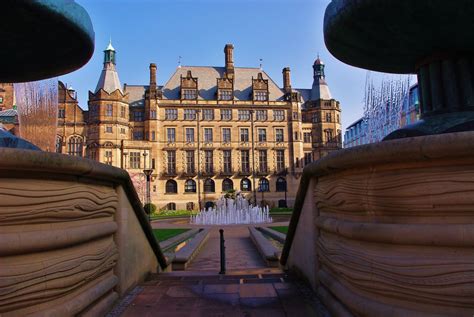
261	63
179	61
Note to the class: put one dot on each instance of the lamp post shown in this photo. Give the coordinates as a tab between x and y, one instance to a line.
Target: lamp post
147	172
253	159
198	111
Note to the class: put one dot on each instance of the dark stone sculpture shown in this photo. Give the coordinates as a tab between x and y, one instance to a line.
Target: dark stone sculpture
434	39
9	140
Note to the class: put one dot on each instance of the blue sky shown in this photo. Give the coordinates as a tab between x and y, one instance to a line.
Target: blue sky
281	32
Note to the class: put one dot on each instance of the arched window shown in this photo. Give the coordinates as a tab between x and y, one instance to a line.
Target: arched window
227	184
209	186
75	146
263	185
59	144
171	206
190	206
171	187
209	204
281	184
245	185
190	186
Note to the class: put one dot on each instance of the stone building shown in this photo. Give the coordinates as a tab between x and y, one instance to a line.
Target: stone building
205	131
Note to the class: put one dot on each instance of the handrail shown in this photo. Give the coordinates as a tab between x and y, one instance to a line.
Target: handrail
17	162
418	149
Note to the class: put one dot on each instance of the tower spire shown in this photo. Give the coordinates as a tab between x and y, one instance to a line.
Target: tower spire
109	53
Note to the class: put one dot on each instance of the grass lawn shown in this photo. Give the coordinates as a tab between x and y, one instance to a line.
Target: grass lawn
283	211
282	229
165	234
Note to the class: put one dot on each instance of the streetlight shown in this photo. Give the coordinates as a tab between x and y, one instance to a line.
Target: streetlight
147	172
253	159
198	111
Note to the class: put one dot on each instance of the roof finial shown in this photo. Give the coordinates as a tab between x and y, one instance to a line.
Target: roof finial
261	64
110	47
179	61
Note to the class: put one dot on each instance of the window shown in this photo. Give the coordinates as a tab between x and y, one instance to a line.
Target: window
62	113
109	110
123	111
189	132
307	137
225	94
189	94
227	154
263	185
108	129
280	160
262	161
171	114
244	115
279	135
315	118
261	95
171	206
226	136
262	135
226	114
262	115
122	131
295	115
328	117
245	185
308	158
1	99
338	118
75	145
245	160
190	168
171	162
153	135
135	159
208	135
153	114
190	186
59	144
281	184
93	154
153	163
190	206
278	115
138	135
171	187
171	135
108	157
244	135
208	114
227	184
93	111
296	136
329	135
208	161
209	186
189	114
137	116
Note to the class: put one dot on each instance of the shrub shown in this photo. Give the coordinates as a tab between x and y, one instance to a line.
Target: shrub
150	208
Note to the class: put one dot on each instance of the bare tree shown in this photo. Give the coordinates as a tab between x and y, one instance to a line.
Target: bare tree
38	112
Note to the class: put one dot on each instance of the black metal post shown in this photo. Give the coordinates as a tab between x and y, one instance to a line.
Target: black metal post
222	271
286	189
253	160
198	118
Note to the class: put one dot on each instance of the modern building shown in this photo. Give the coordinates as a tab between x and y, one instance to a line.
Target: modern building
206	130
356	134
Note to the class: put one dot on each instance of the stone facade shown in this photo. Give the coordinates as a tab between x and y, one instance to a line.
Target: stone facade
6	96
206	130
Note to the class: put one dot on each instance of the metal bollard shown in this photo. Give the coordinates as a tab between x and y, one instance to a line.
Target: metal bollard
221	231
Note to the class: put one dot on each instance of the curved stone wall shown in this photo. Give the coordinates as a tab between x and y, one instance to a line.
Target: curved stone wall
390	227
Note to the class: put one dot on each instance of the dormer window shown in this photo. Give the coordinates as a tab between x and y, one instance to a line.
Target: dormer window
225	94
261	96
260	88
189	94
189	87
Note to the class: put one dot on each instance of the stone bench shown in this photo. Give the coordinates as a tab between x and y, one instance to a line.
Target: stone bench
269	253
185	255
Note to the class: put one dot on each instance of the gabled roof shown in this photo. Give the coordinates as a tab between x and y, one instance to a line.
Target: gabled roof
207	83
8	113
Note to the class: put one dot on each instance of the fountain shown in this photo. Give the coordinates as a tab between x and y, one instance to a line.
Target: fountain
228	211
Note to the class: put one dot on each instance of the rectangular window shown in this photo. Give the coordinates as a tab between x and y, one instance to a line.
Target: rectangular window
137	116
280	160
189	114
1	99
226	114
307	137
123	111
244	115
189	94
122	130
109	110
208	114
208	161
315	118
329	135
328	117
226	136
227	161
279	137
108	129
171	135
295	115
108	157
62	113
245	161
138	135
189	135
190	166
262	115
208	135
262	135
244	135
261	95
153	135
308	158
171	114
278	115
225	94
135	159
153	114
262	161
171	162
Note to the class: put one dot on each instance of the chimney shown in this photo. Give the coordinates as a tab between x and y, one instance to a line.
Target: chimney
286	80
229	60
153	78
